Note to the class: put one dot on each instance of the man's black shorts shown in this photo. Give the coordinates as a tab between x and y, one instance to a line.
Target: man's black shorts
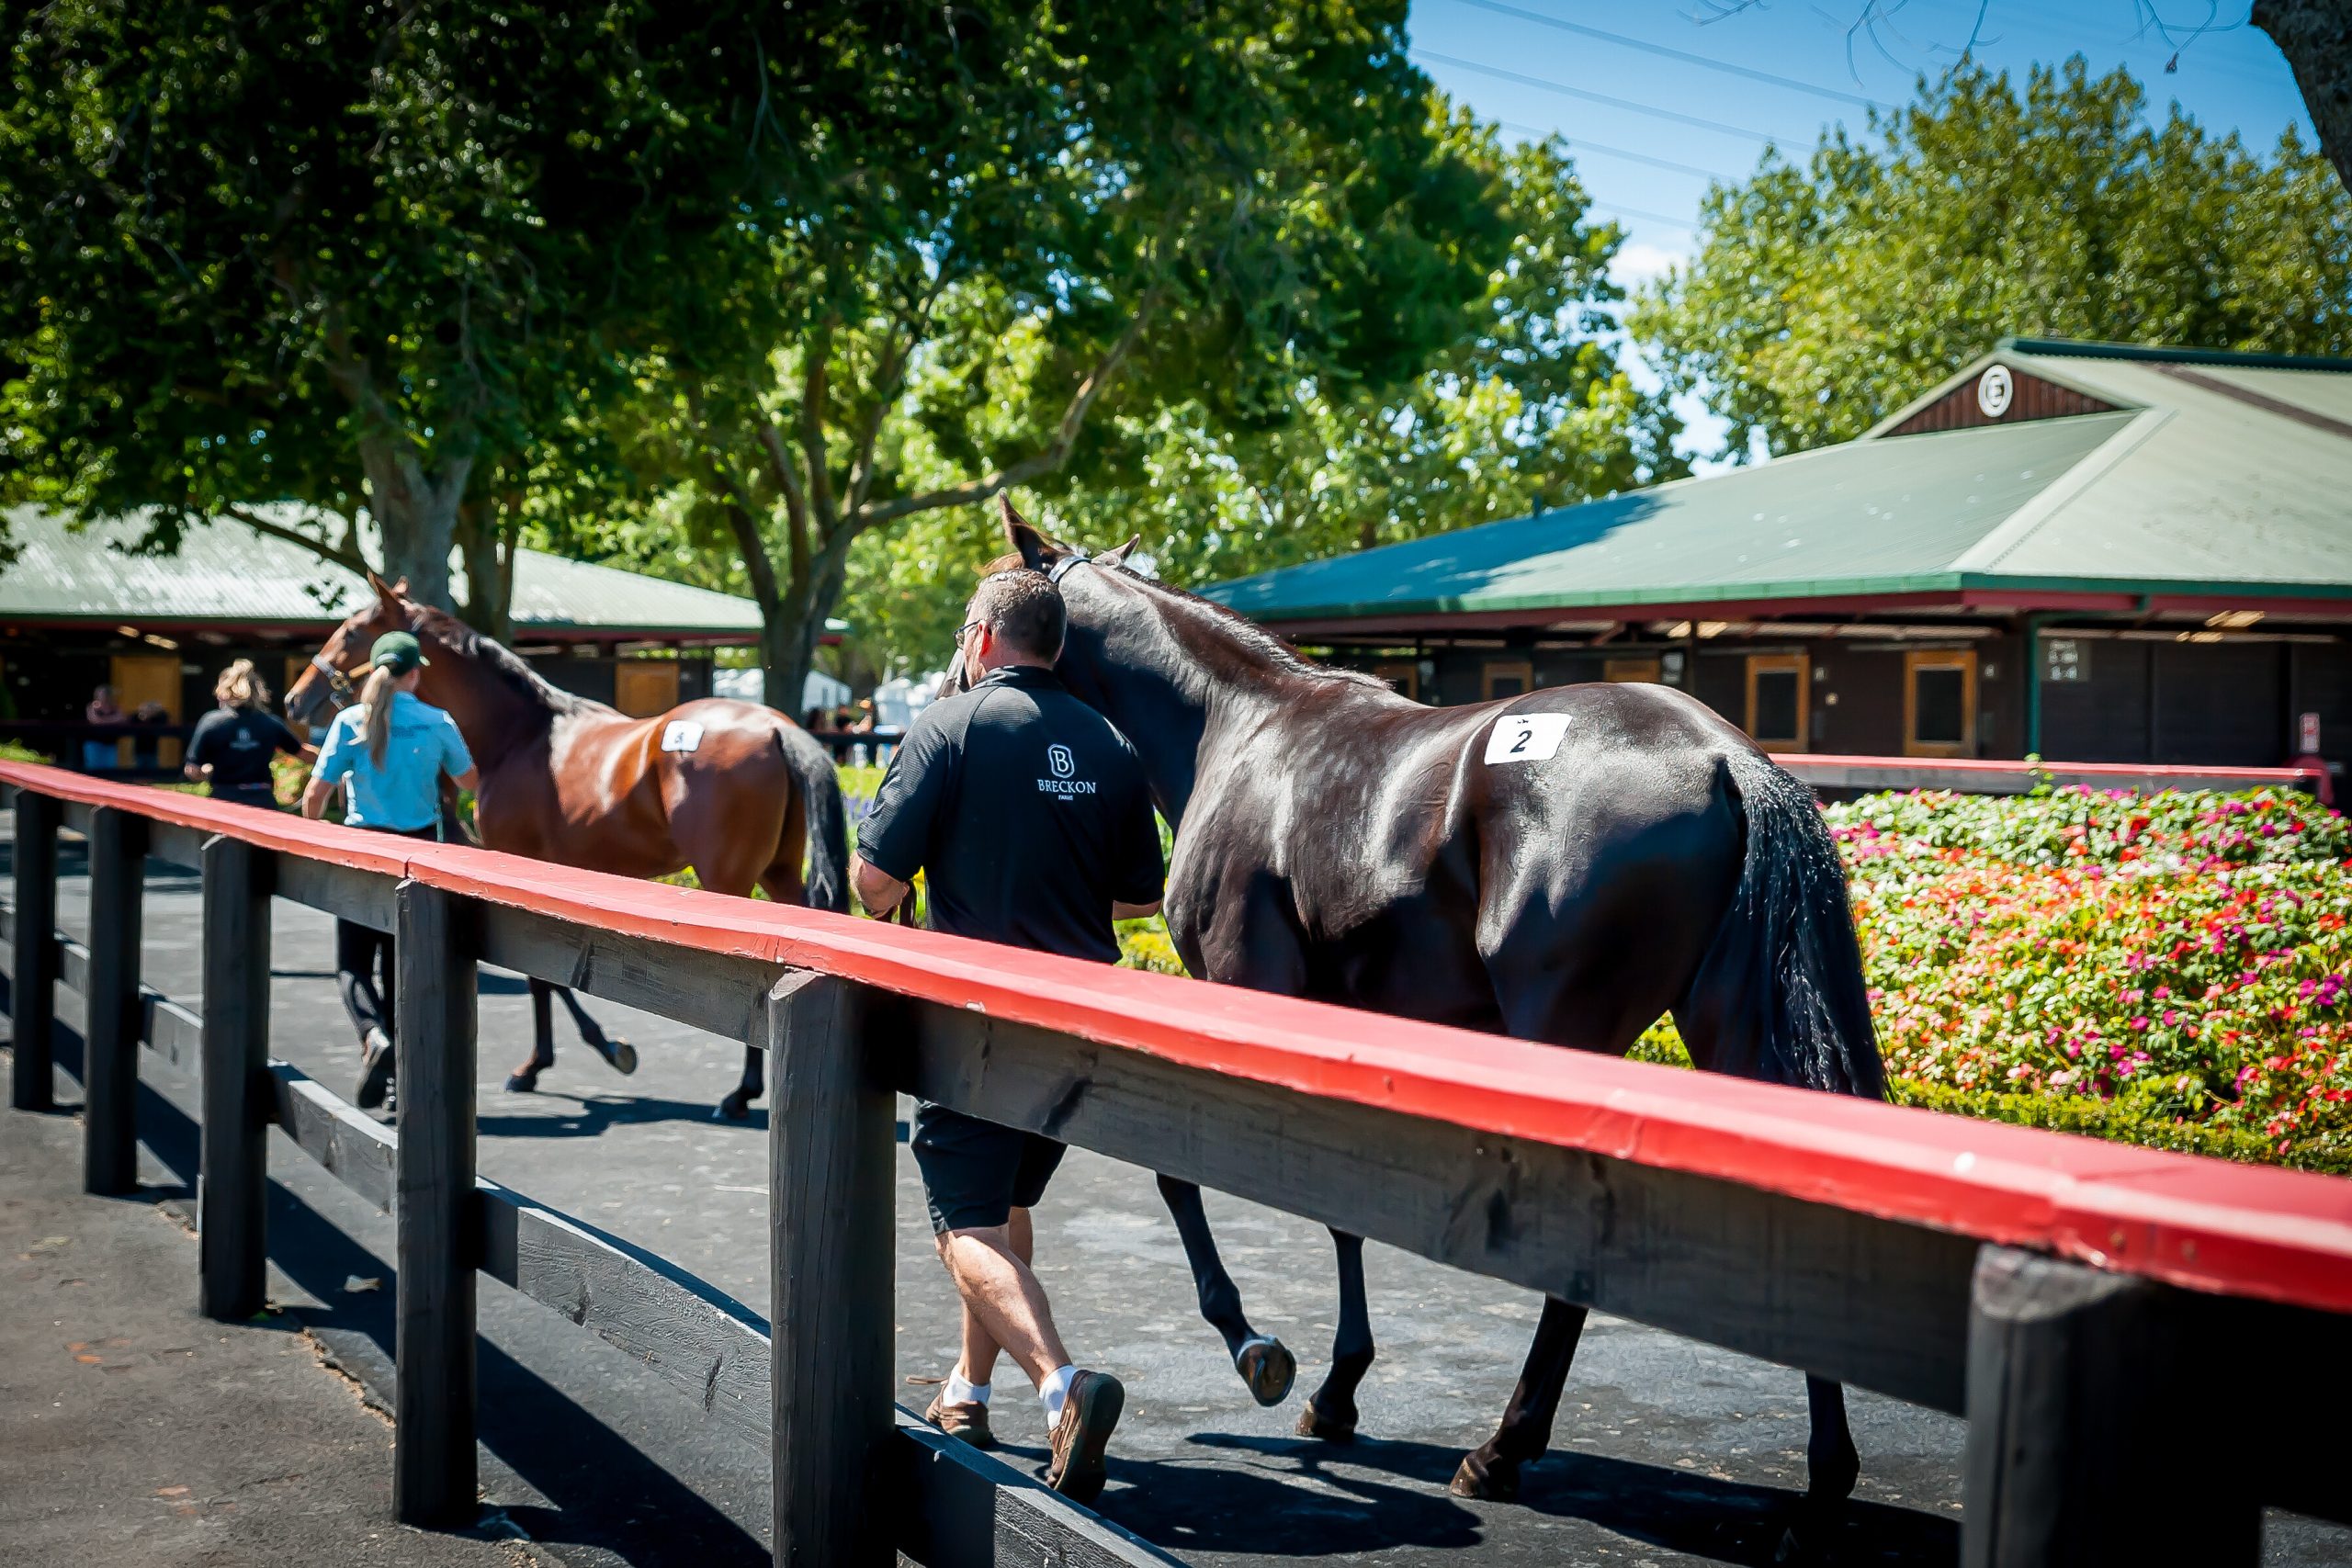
976	1173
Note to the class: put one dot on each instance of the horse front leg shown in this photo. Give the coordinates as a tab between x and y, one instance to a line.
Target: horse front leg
737	1104
1331	1412
1264	1362
619	1053
1491	1471
525	1078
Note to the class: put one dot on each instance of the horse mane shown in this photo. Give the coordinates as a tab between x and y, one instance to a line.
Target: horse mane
493	656
1254	638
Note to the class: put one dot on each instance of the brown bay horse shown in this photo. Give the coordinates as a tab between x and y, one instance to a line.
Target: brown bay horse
1563	866
734	790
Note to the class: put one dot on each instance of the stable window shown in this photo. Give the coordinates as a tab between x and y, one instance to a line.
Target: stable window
1631	671
1507	678
1938	703
643	688
1403	675
1777	700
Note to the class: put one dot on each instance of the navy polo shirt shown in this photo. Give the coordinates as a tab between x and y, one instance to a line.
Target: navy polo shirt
1028	812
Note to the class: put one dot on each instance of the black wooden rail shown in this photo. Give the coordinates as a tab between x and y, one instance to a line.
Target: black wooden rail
948	1505
2114	1419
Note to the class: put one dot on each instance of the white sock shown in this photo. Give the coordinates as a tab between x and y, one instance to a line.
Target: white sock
959	1392
1054	1392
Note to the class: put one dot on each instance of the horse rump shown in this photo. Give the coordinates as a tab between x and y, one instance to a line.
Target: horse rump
811	766
1780	995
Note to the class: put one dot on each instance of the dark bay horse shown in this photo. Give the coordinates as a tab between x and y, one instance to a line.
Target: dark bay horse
1563	866
734	789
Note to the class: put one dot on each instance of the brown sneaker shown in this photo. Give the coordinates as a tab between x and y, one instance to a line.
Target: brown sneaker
968	1422
1088	1416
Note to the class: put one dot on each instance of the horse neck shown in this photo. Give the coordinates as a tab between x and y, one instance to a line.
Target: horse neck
493	714
1181	680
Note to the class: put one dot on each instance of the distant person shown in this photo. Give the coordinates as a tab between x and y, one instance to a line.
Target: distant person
389	750
143	748
97	756
813	720
233	744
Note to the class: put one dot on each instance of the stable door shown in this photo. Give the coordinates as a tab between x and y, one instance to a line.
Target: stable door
142	677
645	687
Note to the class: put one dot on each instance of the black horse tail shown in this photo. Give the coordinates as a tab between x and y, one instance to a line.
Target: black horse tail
1780	991
828	824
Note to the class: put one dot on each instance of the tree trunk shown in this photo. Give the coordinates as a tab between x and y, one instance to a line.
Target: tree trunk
787	653
416	513
2316	37
486	550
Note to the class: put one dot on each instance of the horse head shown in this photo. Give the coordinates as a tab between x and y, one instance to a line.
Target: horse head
327	684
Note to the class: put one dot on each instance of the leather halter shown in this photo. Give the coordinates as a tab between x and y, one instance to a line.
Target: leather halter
339	688
1075	558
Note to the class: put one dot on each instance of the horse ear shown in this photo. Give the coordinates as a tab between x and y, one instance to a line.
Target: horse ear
388	593
1119	556
1035	551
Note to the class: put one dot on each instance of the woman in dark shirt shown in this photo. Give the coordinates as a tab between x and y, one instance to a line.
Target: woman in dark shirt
234	742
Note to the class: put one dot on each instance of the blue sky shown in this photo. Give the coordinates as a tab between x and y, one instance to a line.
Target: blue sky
2229	77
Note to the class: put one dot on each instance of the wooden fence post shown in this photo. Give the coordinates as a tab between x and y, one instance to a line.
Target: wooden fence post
438	1245
2093	1440
830	1212
110	1053
32	980
233	1170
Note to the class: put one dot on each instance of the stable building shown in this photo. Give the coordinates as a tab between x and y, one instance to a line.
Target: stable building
2091	552
80	608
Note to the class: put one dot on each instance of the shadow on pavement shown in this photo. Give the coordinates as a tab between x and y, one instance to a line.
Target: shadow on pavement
603	1491
1179	1507
590	1118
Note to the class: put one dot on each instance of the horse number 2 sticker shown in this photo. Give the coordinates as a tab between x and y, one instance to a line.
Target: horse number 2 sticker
1525	737
682	735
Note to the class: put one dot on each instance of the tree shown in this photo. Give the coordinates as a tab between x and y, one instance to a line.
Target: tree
1823	295
331	255
987	229
1525	407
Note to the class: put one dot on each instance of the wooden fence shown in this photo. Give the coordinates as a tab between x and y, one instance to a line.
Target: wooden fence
2141	1341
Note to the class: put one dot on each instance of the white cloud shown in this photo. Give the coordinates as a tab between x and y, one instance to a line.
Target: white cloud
1638	261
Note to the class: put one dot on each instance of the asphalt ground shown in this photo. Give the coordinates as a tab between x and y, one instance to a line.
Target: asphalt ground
1667	1451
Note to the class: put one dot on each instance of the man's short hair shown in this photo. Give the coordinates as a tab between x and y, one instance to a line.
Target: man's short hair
1024	609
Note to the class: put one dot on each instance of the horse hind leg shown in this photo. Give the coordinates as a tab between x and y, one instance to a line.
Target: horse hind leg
1491	1471
525	1078
616	1051
1331	1412
1264	1364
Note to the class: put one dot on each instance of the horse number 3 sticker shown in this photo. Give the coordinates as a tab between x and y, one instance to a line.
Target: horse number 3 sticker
1525	737
682	735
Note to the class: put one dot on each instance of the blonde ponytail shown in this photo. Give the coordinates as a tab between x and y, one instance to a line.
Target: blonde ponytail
377	696
240	686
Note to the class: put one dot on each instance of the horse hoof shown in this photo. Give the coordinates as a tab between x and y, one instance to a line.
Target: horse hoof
734	1108
522	1083
1313	1423
1268	1368
1489	1481
623	1057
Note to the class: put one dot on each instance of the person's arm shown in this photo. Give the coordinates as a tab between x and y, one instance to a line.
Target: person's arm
1135	890
877	890
894	842
334	765
456	761
197	766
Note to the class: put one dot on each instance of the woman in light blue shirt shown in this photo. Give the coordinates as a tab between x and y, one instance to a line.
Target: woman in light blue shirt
389	750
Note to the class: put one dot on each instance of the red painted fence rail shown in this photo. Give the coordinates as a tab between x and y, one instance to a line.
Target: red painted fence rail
2278	1235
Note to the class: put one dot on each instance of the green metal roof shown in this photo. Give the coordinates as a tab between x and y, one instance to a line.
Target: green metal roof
226	572
2217	473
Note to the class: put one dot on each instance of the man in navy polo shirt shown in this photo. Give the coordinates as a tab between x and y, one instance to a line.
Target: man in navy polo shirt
1029	815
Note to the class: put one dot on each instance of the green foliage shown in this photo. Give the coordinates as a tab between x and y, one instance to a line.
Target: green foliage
338	256
17	751
1826	293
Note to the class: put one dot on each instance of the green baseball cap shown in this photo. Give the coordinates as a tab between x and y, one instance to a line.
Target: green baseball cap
399	652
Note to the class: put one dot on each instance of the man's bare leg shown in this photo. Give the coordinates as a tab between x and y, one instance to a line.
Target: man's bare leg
1002	1299
980	1348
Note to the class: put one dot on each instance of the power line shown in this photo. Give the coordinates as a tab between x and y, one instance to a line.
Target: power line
1682	54
1565	90
1578	144
1650	217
